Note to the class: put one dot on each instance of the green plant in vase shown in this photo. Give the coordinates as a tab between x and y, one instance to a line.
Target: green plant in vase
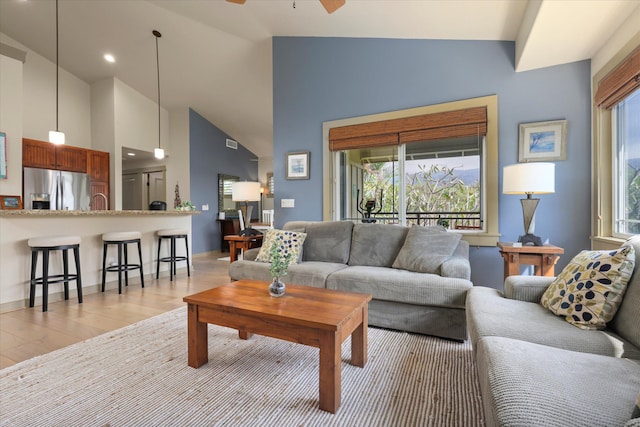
279	264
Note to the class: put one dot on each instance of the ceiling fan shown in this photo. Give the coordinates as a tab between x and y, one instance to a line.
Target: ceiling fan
330	5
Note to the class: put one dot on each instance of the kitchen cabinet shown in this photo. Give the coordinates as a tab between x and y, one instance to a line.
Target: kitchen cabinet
45	155
98	169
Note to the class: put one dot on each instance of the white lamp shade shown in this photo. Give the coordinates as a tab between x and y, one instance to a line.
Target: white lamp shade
245	191
529	178
158	153
56	137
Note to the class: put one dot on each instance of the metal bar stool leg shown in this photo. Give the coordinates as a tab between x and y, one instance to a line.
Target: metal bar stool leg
158	261
104	265
65	269
76	256
32	287
119	268
186	243
140	258
126	261
45	279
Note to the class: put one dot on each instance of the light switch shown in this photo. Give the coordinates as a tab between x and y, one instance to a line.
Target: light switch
287	203
205	207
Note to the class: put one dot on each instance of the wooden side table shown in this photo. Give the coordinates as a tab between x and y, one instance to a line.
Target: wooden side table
543	258
242	242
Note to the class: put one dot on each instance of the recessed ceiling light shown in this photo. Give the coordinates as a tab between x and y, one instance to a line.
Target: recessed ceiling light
131	154
109	58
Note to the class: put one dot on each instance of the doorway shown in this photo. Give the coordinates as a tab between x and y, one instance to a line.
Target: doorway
141	188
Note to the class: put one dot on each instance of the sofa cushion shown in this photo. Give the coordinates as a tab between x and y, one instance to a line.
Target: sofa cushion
401	286
376	244
626	321
489	313
526	384
308	273
286	241
636	411
425	249
328	241
589	289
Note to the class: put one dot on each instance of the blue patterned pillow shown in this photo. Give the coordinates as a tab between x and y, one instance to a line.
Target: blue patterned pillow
589	290
289	241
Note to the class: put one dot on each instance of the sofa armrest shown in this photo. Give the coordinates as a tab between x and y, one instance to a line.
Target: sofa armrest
457	267
526	288
250	254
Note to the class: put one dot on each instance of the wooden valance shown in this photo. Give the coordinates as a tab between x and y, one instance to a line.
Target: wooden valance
620	82
448	124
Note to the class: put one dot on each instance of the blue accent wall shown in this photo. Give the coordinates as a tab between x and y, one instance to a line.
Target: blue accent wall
321	79
208	157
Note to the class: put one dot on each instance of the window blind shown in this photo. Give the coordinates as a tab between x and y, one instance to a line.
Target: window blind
620	82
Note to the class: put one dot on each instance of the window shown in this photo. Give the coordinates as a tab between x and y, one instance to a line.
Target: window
616	149
625	126
438	169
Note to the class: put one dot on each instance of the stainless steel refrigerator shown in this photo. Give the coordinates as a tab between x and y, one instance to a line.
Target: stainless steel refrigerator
66	190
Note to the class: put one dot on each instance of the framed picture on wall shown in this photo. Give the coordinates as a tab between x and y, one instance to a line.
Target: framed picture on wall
298	165
10	202
3	155
543	141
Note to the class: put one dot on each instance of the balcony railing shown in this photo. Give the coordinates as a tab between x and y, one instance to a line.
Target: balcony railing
450	220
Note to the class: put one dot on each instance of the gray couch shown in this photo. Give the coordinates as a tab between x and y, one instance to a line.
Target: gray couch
359	258
536	369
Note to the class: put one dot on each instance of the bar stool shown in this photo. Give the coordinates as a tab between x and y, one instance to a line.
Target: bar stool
46	245
172	235
122	239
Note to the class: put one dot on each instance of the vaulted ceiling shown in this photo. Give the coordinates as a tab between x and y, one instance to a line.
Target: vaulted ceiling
216	56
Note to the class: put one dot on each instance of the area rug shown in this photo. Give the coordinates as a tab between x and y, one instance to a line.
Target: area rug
138	376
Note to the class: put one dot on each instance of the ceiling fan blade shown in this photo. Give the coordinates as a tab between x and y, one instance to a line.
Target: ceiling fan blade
332	5
237	1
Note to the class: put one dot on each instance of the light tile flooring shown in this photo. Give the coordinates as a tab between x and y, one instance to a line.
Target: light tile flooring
29	332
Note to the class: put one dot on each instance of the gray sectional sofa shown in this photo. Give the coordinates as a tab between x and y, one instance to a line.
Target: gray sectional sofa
361	257
537	369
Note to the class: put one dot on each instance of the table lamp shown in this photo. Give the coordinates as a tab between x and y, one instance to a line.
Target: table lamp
246	191
529	179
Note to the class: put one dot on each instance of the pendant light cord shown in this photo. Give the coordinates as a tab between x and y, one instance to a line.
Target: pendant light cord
57	68
158	35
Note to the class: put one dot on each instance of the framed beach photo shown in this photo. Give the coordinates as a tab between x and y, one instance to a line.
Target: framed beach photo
298	165
543	141
10	202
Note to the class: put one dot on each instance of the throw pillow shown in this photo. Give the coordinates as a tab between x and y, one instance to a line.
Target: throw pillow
425	249
288	241
589	289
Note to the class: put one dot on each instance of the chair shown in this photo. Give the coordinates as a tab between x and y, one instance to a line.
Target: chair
121	239
267	217
172	235
46	245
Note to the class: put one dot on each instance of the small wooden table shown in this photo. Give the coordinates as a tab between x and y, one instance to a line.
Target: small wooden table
237	243
544	258
316	317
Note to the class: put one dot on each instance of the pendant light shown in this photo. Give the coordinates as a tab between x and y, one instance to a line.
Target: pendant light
158	152
55	136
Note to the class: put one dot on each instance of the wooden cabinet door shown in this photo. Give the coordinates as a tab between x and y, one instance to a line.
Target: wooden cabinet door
38	154
73	159
97	202
98	165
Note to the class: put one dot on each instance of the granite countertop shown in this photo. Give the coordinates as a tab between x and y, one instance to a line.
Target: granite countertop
49	213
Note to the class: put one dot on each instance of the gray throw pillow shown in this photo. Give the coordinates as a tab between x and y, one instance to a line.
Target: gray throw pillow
424	250
376	244
328	241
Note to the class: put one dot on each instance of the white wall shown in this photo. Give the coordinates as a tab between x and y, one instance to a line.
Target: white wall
11	122
39	100
628	31
178	165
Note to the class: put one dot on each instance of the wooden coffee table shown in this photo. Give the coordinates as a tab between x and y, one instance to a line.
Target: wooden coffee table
317	317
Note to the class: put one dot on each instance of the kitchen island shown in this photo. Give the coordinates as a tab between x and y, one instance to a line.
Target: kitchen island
17	226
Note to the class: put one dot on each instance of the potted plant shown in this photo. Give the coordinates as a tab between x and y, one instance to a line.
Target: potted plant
279	265
186	206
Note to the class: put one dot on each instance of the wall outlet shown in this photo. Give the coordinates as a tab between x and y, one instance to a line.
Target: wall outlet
288	203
